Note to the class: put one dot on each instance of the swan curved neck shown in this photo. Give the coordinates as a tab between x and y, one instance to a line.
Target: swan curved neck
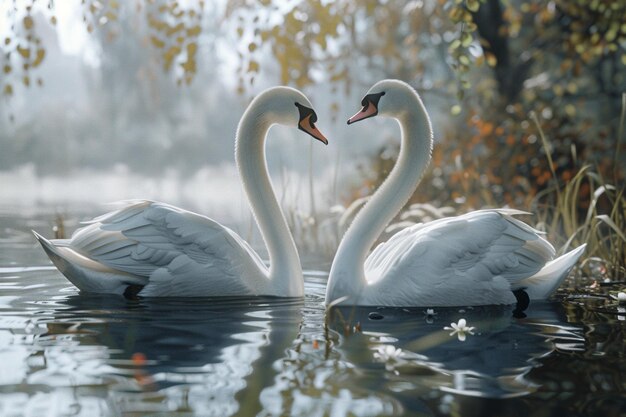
285	273
347	275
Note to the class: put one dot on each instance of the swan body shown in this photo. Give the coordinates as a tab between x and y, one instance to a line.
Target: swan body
478	258
153	249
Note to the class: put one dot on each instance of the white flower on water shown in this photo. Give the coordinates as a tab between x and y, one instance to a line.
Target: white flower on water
389	355
460	329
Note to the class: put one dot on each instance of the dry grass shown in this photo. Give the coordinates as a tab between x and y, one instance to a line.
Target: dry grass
601	227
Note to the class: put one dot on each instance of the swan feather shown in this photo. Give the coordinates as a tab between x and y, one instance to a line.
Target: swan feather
173	252
437	259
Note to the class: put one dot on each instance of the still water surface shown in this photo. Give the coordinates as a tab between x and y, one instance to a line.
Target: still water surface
67	354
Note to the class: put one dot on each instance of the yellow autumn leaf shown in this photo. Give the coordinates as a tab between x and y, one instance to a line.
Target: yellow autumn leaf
24	52
157	42
169	56
173	29
28	22
610	35
192	48
189	66
26	80
466	40
7	69
157	24
177	14
193	31
472	5
455	44
8	90
252	47
253	66
41	53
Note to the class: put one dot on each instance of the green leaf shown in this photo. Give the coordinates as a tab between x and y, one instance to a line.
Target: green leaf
473	5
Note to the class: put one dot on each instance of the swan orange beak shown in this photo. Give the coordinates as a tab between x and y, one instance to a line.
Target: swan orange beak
369	110
309	127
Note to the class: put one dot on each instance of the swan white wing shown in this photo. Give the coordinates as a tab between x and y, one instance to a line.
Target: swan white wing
460	260
177	252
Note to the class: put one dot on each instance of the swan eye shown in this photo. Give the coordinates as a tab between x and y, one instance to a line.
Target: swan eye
374	98
306	111
313	119
371	99
370	107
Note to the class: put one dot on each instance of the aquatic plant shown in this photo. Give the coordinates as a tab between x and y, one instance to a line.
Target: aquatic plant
461	329
390	356
561	214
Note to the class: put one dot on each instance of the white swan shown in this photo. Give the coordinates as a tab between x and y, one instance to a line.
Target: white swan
153	249
478	258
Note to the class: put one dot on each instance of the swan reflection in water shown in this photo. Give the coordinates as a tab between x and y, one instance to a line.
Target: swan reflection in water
108	356
209	356
420	355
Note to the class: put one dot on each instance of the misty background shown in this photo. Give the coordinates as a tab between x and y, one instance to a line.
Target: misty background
109	100
108	123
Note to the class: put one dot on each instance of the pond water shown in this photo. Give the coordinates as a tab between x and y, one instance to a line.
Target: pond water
67	354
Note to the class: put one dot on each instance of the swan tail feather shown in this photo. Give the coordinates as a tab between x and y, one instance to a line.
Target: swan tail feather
541	285
85	273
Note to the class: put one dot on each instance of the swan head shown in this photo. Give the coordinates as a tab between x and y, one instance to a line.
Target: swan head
290	107
388	98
